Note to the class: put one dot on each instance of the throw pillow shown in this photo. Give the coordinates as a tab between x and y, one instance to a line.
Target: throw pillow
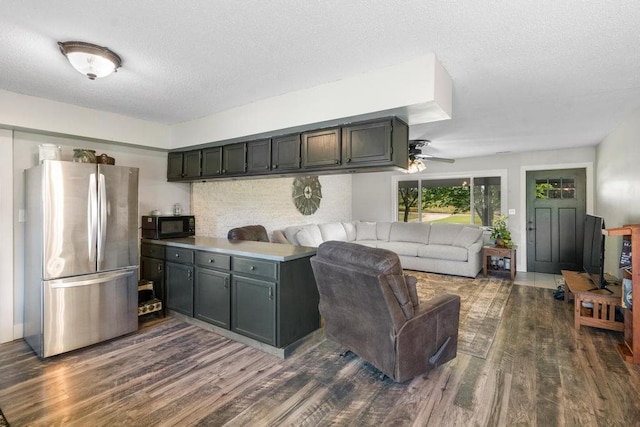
467	237
366	231
305	239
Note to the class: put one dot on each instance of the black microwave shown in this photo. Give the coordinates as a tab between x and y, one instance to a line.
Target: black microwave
168	227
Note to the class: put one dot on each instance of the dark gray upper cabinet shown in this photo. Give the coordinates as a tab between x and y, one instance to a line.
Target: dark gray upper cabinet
234	159
212	161
321	148
183	165
285	153
174	166
377	144
259	156
367	143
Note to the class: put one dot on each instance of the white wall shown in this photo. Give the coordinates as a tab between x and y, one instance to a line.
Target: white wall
23	112
222	205
6	236
374	193
618	184
154	193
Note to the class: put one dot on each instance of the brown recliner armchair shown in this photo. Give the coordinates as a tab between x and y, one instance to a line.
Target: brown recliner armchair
256	233
372	309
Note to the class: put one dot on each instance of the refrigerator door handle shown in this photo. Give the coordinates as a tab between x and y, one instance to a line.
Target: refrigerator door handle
102	228
72	282
92	217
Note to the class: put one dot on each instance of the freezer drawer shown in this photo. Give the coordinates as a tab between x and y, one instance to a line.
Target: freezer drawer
85	310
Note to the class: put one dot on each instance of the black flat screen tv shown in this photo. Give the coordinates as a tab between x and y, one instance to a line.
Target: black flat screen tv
593	250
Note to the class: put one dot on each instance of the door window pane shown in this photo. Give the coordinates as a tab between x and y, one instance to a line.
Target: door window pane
555	188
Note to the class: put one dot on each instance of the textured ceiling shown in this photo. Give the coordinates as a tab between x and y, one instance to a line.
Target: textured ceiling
527	75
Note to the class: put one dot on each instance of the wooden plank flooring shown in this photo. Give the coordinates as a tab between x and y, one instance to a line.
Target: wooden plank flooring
539	372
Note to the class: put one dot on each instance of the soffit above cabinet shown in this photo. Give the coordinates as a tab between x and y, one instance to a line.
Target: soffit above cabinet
417	91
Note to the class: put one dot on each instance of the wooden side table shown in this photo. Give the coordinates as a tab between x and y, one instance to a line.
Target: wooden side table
489	251
599	308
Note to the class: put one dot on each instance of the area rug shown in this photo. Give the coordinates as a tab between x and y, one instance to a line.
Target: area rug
482	302
3	420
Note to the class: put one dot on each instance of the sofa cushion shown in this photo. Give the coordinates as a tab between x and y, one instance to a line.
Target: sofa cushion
443	233
401	248
309	235
290	234
304	238
350	229
383	229
368	243
467	237
366	231
333	231
409	232
445	252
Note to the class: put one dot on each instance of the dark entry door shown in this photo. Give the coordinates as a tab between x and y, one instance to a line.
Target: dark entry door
556	206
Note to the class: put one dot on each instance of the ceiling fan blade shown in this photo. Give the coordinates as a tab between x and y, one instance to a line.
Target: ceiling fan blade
434	159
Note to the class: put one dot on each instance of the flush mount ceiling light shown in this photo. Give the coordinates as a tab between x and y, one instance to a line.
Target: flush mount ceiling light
91	60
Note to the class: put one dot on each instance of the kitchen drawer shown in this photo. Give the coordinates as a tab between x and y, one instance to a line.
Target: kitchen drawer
213	260
256	267
152	251
184	256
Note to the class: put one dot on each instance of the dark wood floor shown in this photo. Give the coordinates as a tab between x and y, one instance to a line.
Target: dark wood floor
540	371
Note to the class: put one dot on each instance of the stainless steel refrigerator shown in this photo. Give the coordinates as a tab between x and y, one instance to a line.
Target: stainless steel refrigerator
81	254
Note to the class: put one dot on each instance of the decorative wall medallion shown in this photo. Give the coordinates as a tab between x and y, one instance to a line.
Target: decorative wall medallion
307	193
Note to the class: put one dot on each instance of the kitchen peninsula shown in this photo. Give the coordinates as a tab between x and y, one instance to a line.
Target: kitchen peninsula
259	293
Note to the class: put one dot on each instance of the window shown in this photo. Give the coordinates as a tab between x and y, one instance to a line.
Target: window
455	200
556	188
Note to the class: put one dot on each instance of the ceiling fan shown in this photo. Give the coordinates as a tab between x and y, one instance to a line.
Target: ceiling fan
415	152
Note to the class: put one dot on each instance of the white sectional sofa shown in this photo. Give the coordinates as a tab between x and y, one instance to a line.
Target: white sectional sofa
439	247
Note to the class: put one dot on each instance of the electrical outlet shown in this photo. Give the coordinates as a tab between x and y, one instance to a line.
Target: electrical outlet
512	211
21	214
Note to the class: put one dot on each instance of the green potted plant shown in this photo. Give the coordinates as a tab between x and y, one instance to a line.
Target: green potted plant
500	233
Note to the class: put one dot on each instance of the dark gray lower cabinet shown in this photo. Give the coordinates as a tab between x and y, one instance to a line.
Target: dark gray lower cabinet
254	309
271	301
180	287
212	299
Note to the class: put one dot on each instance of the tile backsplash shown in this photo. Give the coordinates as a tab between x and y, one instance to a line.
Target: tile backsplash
222	205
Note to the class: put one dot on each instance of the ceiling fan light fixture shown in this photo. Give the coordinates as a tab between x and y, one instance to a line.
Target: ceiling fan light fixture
89	59
415	166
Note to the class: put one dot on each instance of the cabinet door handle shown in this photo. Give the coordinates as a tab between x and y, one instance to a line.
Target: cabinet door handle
211	261
160	268
270	294
349	160
177	255
226	283
252	268
337	161
189	274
